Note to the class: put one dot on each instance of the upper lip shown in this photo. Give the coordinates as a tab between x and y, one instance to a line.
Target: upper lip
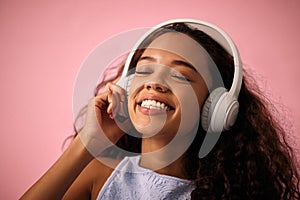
155	98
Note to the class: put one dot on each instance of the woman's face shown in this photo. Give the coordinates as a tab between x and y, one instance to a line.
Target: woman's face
167	92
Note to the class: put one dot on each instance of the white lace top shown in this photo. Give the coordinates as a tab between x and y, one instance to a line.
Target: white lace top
130	181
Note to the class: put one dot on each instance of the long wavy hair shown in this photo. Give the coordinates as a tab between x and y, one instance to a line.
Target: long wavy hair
253	159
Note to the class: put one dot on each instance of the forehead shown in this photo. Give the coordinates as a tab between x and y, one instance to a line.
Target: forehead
182	46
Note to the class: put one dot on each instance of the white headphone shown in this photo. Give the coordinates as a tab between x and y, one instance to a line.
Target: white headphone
220	110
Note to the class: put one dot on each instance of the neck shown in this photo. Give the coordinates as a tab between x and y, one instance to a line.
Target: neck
164	155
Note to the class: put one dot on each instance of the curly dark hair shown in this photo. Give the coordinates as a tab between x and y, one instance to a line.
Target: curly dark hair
253	159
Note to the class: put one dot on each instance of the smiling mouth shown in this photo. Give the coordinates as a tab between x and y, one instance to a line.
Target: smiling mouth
155	105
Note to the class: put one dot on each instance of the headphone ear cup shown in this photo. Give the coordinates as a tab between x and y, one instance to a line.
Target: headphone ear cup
129	79
209	106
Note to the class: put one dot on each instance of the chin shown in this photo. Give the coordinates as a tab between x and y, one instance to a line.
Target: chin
150	127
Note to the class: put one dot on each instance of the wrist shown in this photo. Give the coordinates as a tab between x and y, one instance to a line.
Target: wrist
79	150
95	144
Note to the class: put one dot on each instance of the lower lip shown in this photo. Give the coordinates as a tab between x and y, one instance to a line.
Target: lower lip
147	111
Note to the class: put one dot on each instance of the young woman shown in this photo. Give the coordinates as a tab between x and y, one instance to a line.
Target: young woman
168	118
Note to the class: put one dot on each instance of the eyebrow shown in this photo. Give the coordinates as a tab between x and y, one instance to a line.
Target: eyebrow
174	62
187	64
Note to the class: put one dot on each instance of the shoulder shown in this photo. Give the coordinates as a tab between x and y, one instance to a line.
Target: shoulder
90	181
99	171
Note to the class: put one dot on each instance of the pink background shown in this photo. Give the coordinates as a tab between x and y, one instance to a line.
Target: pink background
43	44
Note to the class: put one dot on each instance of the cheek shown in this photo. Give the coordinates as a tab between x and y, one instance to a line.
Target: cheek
130	106
189	110
202	96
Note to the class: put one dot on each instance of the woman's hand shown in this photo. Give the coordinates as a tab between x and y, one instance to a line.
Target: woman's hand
99	132
102	127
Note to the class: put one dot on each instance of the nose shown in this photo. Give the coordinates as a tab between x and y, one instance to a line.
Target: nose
156	86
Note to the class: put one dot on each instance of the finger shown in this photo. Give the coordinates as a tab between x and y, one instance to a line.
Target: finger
114	104
101	100
117	89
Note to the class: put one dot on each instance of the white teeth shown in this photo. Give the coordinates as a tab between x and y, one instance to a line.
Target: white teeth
158	104
152	104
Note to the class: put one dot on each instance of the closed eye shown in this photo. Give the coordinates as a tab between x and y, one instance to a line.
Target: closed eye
182	78
142	72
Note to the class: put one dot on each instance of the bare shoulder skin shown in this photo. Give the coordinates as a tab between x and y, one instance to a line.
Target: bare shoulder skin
90	181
